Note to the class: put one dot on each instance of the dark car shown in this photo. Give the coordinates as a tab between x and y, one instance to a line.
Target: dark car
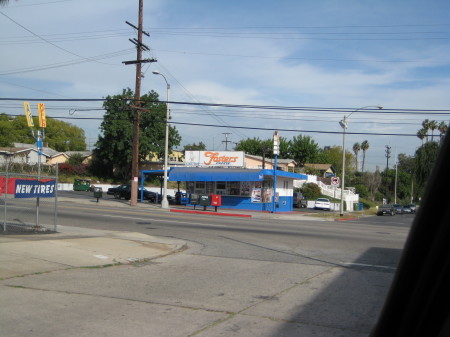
124	191
117	191
398	208
386	209
299	200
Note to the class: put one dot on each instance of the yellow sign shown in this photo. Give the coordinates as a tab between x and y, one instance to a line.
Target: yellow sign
27	109
41	114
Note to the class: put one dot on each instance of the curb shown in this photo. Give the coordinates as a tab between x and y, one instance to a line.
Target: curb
210	213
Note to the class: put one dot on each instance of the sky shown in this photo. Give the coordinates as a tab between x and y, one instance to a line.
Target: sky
315	60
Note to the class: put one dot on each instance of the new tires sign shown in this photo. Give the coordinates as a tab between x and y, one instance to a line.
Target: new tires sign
34	189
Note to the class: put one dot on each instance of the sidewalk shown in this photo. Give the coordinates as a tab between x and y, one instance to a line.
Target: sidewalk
74	247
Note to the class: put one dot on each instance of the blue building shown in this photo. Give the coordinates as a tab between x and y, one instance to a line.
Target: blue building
240	188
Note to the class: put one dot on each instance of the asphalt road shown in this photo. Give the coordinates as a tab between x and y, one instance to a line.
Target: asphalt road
239	277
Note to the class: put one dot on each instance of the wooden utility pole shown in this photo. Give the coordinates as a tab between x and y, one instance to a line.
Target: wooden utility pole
137	102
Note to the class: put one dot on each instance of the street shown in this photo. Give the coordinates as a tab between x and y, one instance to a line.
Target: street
239	277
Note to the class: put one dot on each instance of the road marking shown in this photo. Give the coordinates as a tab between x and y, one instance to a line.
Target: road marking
162	220
367	265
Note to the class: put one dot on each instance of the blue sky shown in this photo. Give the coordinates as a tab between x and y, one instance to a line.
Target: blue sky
329	54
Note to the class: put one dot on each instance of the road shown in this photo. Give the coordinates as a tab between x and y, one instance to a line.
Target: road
240	276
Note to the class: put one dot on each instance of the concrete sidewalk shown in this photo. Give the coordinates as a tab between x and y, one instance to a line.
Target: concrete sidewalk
74	247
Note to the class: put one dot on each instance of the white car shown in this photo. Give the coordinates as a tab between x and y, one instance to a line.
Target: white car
322	203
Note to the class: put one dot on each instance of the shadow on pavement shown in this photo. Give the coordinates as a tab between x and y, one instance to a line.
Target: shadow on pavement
342	301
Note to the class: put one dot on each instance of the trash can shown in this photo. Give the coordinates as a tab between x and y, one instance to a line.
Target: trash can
98	193
360	206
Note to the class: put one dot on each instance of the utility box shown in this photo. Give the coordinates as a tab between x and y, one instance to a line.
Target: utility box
98	193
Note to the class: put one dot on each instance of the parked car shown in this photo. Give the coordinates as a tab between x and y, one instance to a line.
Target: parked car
299	200
322	203
386	209
407	209
124	191
412	207
398	208
116	190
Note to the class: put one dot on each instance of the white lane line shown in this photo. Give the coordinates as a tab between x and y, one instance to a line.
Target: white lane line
367	265
161	220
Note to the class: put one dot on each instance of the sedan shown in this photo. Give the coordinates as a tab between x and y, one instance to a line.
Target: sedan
398	208
322	203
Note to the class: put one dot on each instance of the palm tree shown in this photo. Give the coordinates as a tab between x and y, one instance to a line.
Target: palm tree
364	148
443	130
356	149
426	127
421	134
433	126
3	2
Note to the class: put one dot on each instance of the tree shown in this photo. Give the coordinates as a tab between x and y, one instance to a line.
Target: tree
443	127
194	147
304	149
253	146
426	127
356	149
59	135
433	125
114	146
333	155
426	157
311	191
421	134
364	148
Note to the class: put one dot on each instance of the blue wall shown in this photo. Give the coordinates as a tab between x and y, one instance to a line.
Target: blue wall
245	203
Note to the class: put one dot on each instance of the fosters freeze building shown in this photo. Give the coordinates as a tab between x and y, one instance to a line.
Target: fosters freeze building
225	173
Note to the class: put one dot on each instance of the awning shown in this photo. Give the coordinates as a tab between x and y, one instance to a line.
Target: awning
225	174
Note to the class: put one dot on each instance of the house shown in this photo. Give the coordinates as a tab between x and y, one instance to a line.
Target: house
257	162
325	170
86	155
20	155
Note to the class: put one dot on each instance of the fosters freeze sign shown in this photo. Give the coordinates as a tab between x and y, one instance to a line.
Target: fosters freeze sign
214	158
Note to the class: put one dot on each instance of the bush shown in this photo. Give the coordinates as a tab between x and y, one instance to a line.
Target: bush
311	191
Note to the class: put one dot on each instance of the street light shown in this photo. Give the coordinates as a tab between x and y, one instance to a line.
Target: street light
164	202
344	125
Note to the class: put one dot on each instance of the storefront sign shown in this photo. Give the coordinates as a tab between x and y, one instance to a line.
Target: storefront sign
214	158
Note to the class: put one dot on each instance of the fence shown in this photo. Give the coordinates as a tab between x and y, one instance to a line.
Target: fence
28	201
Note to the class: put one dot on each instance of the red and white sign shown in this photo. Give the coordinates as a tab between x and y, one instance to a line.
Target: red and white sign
214	158
335	181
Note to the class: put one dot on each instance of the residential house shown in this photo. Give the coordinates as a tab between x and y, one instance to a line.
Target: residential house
257	162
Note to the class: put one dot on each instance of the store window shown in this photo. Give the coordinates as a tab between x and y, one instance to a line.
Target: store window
221	188
200	187
235	188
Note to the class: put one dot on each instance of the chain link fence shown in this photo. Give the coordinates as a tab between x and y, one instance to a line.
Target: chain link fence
28	200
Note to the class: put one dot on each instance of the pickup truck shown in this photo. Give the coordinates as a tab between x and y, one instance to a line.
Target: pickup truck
299	200
386	209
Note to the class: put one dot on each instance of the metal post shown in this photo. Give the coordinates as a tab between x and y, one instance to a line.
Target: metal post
274	184
164	201
39	151
344	126
55	219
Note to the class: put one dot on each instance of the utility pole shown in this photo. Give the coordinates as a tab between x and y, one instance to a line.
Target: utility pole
388	155
137	96
226	141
